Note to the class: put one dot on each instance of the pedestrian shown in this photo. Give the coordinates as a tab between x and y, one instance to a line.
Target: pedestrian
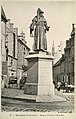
63	85
2	82
58	86
66	87
23	79
54	84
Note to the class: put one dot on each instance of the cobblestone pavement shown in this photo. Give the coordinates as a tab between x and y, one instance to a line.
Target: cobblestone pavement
9	92
15	105
67	96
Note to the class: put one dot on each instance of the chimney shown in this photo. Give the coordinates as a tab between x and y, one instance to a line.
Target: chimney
73	30
8	23
23	34
8	20
15	30
11	26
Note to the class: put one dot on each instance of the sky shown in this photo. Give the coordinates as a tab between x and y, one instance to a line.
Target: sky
59	16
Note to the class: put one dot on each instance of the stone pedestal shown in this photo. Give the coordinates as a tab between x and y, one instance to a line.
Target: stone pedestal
39	81
39	76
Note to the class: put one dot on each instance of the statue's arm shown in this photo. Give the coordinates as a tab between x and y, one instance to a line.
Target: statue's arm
46	26
31	29
32	26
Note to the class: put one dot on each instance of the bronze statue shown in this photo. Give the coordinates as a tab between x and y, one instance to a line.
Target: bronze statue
39	26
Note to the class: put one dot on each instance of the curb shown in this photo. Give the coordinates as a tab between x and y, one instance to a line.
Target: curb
19	99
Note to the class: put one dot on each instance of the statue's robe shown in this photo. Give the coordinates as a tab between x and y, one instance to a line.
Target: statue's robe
40	41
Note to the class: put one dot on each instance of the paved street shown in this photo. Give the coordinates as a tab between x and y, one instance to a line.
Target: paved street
16	105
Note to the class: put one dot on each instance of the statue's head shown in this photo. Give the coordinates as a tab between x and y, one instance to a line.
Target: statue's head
40	12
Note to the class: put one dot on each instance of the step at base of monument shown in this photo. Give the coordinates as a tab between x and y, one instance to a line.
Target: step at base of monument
51	98
27	97
41	98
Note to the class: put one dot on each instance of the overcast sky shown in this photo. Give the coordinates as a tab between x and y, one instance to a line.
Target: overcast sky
59	15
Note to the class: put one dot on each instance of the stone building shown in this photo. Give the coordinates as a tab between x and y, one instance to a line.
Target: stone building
22	52
69	57
4	48
59	70
13	50
11	38
63	69
56	71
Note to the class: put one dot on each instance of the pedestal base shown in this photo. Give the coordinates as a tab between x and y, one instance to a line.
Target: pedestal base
51	98
39	77
35	98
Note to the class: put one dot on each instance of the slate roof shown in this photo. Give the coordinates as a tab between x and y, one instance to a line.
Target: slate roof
59	61
3	16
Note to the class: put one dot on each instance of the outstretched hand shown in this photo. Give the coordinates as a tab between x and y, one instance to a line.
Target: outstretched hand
48	28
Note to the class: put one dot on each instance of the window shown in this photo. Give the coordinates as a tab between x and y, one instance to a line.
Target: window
69	80
7	54
13	44
69	52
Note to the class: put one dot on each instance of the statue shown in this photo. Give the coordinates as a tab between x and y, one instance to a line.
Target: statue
39	26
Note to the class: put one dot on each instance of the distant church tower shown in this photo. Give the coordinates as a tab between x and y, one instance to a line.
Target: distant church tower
60	47
58	53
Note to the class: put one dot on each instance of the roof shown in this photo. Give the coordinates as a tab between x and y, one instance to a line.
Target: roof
12	57
59	61
19	40
73	30
3	16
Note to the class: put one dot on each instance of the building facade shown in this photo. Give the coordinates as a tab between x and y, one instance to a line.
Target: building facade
63	69
4	48
56	72
22	52
69	57
13	50
11	38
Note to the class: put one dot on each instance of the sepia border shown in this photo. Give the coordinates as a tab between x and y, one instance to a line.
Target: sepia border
37	115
